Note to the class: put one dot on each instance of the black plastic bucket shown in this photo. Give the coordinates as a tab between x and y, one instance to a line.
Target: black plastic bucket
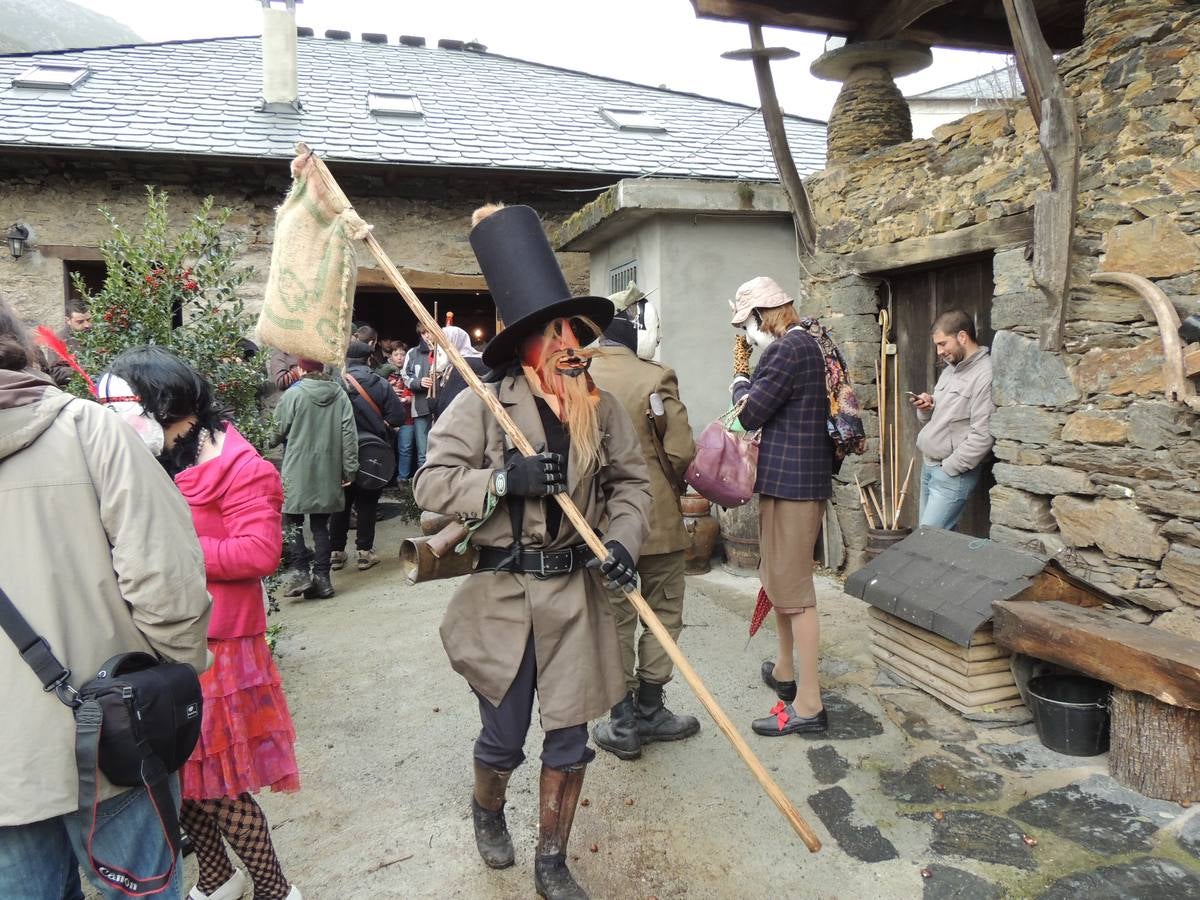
1071	713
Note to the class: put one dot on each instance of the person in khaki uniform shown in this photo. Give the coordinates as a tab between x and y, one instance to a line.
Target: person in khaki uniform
650	394
534	617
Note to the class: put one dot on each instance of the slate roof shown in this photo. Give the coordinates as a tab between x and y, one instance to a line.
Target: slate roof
482	111
944	581
1000	84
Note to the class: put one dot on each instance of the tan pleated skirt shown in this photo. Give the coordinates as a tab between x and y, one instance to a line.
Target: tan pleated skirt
788	531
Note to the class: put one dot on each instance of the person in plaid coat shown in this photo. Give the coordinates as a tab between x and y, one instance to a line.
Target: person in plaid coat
787	398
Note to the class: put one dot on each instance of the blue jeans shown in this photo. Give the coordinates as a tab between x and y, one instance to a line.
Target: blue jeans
405	443
41	860
421	433
943	497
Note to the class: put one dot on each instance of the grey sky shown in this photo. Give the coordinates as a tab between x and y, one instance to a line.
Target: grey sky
657	42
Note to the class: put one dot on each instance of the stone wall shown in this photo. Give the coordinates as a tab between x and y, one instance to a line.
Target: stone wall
422	222
1090	457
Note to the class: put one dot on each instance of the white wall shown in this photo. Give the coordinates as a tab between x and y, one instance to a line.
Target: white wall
697	263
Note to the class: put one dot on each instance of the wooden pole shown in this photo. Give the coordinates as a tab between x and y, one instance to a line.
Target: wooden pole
881	409
793	186
903	493
875	503
571	511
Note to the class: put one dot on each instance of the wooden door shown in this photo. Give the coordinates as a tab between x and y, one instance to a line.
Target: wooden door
917	298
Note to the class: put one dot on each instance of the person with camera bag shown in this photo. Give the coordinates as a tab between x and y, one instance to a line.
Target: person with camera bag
377	410
99	558
246	737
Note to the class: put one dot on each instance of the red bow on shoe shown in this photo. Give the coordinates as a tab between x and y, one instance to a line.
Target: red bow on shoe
779	711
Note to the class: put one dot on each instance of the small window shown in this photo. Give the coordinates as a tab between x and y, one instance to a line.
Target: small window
622	276
406	106
631	119
91	272
61	78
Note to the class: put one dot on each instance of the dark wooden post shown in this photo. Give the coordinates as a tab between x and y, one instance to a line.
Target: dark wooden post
1058	135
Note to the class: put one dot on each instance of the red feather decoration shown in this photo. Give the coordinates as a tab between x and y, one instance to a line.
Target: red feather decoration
761	608
48	338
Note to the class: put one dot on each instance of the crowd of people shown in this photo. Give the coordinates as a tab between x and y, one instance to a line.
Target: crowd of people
176	520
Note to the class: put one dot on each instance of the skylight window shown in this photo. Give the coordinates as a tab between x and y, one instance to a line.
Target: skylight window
61	78
632	119
402	106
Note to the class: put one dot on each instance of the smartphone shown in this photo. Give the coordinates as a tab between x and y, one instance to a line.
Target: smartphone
912	398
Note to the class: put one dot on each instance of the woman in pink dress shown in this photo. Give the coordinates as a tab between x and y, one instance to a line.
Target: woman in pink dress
247	737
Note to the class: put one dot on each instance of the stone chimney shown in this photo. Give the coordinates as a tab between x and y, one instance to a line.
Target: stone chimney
280	90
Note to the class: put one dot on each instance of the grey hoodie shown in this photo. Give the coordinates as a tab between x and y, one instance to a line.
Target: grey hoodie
956	432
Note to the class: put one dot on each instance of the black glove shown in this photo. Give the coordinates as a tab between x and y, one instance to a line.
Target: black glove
617	569
536	476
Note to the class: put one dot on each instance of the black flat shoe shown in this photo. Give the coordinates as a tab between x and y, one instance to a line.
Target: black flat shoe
783	720
768	675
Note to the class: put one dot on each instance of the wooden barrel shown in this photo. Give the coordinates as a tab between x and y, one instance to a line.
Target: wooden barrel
739	534
879	539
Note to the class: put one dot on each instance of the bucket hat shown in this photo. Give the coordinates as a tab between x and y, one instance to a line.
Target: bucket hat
757	293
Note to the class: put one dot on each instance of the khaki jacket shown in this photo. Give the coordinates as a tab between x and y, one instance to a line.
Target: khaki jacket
491	615
632	380
98	553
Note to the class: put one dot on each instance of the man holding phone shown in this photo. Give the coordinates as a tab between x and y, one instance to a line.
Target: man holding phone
954	438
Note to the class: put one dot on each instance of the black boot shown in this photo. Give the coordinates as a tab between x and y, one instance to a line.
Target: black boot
487	810
296	581
321	587
619	735
559	796
657	723
784	690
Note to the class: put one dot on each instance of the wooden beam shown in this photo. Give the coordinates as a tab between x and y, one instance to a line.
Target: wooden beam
806	229
835	17
420	280
69	251
889	19
1058	135
934	248
1138	658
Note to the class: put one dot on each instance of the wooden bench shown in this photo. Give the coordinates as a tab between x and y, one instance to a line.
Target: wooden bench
1155	674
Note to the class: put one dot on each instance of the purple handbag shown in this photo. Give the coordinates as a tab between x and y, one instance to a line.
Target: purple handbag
726	462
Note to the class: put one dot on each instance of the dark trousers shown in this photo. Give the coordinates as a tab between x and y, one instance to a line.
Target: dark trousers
501	741
298	554
365	504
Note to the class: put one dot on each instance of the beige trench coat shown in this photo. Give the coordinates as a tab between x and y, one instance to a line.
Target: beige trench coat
490	616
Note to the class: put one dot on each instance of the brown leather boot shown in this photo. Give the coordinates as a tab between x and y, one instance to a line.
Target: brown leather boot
487	811
559	797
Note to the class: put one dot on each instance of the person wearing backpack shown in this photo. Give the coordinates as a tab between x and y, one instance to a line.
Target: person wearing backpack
99	555
377	410
786	397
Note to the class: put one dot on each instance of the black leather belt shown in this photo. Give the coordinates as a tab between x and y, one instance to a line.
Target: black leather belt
538	563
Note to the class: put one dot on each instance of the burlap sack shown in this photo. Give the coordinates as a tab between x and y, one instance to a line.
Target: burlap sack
309	297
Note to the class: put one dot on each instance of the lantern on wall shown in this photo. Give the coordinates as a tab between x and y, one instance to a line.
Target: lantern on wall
17	236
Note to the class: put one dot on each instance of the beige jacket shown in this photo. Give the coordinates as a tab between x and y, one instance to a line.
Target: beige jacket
632	380
98	553
491	615
956	432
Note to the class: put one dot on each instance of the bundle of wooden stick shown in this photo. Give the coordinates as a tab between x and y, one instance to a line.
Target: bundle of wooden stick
888	505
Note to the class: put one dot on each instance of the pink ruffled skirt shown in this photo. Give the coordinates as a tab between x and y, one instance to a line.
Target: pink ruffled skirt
247	740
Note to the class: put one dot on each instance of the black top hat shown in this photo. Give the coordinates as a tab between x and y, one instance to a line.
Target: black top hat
527	285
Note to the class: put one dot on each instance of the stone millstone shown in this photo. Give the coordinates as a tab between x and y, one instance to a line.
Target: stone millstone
870	111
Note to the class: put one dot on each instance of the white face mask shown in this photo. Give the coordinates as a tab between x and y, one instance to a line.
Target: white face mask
648	331
757	336
117	395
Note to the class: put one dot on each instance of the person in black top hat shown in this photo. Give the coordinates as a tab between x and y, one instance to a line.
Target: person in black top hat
534	617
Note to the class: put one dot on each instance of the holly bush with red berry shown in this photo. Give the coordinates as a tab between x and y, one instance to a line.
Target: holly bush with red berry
178	287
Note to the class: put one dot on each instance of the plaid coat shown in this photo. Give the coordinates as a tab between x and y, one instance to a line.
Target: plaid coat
786	398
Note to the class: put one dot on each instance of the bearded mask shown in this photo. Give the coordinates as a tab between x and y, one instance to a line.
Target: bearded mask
558	369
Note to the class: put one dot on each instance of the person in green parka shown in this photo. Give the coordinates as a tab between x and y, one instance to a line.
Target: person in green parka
315	422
